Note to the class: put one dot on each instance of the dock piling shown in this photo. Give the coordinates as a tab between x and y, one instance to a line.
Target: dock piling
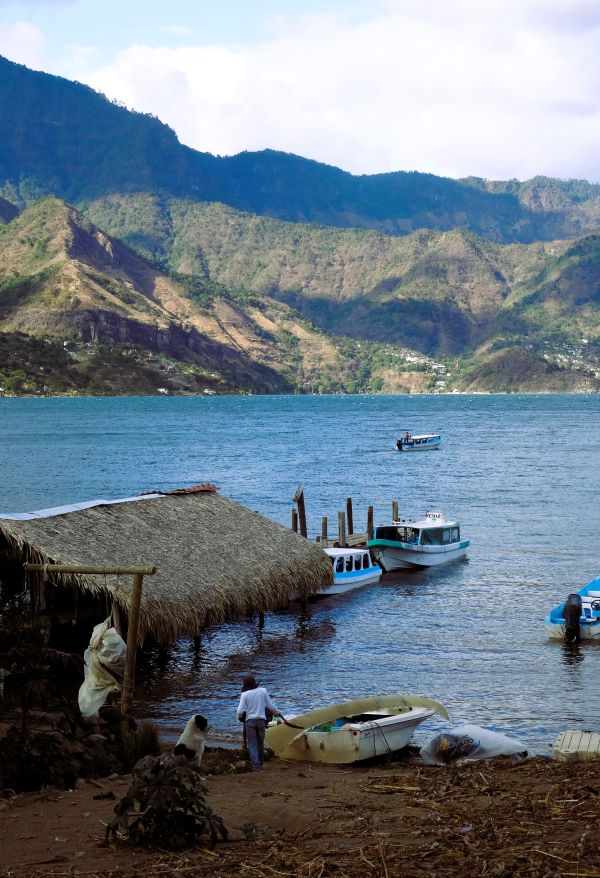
349	518
341	529
370	528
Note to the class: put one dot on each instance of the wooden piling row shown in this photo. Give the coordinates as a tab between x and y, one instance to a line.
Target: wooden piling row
346	535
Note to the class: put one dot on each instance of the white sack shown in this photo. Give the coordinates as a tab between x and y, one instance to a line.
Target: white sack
104	668
469	742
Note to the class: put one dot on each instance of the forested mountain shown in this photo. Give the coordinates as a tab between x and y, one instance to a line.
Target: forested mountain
63	138
181	272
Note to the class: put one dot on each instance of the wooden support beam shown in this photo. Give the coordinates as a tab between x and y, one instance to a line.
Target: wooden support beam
133	628
79	568
324	530
295	521
394	510
370	529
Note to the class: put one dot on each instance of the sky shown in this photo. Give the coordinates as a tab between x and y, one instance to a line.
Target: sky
498	89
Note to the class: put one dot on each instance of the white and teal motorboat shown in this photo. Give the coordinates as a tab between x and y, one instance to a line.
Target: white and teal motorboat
423	442
424	543
578	618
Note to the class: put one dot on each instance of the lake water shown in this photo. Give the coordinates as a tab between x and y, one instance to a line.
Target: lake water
521	473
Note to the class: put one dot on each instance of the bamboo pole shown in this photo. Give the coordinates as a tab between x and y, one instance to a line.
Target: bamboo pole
79	568
349	517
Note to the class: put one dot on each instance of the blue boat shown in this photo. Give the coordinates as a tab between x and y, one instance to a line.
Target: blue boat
578	618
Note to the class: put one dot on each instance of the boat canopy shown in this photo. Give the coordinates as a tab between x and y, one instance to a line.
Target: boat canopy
430	536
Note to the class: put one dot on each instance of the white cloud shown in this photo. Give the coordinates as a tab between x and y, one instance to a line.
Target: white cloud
502	88
23	43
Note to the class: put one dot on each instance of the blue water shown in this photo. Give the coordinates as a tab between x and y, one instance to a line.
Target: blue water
521	473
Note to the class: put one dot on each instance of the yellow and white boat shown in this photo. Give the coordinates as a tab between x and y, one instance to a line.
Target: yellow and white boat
352	730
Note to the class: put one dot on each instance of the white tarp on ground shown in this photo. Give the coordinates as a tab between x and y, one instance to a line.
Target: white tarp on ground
104	668
470	742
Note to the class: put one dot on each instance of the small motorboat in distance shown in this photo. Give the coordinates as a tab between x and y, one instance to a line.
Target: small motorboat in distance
353	730
352	568
423	442
578	618
425	543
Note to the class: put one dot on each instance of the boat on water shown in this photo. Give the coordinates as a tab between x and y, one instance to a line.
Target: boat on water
423	543
352	730
423	442
352	568
578	618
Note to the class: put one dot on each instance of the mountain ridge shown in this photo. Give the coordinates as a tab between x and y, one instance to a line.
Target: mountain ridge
83	147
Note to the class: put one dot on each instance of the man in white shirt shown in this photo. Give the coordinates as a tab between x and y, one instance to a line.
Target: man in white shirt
254	708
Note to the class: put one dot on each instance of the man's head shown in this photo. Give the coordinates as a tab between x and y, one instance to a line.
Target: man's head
249	682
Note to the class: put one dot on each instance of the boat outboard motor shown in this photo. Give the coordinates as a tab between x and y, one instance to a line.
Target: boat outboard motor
572	612
399	444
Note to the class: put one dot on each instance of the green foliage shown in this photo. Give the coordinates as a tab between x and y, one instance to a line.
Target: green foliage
166	805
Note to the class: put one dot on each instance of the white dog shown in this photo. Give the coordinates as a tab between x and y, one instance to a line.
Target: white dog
193	739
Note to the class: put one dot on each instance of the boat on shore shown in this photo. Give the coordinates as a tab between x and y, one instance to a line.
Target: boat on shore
578	617
423	442
426	542
352	730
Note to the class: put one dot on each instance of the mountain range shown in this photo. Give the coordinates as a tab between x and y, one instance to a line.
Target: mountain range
136	264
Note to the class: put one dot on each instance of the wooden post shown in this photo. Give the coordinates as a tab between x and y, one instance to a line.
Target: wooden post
133	629
294	521
302	515
394	510
324	530
370	528
341	529
349	518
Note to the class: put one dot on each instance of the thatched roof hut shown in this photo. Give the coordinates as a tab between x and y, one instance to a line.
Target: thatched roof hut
216	560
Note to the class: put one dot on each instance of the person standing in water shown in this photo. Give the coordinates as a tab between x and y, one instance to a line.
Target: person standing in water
255	710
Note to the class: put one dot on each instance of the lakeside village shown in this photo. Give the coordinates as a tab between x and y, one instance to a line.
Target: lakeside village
440	376
89	789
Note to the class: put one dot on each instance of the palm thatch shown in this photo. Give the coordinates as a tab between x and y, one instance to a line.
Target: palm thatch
216	560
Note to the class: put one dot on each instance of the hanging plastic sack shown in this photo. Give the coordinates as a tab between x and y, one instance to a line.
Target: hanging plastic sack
469	742
104	668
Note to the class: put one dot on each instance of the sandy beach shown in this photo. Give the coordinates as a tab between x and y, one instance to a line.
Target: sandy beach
533	818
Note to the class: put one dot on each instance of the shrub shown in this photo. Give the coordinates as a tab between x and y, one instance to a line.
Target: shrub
165	805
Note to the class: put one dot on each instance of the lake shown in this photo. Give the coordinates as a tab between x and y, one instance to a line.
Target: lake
520	472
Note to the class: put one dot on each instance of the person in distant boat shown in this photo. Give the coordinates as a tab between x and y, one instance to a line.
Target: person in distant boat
255	710
406	436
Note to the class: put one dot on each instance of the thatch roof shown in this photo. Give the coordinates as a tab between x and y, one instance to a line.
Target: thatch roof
216	560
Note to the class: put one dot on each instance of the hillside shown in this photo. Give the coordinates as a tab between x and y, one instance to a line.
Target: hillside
82	312
62	138
441	293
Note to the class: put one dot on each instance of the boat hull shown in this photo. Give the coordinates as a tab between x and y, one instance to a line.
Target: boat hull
344	582
587	630
431	446
402	557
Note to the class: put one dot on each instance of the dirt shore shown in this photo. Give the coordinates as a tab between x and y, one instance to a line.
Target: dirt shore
534	818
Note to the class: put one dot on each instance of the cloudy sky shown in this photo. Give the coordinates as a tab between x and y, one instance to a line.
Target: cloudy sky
493	88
